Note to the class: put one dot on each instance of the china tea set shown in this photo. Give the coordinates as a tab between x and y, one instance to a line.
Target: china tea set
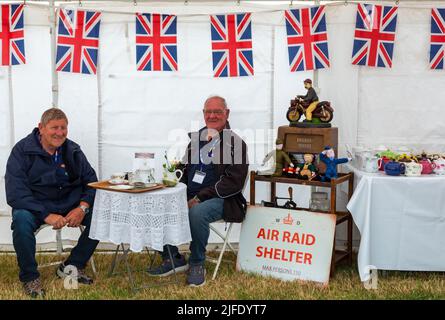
143	174
395	164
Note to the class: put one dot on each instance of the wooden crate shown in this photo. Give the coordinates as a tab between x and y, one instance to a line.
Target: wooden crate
309	140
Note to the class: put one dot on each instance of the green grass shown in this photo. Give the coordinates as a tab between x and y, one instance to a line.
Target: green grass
229	284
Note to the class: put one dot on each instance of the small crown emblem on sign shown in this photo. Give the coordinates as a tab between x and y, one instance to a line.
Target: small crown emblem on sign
288	219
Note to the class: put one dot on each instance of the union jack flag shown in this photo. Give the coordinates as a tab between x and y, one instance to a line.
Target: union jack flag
307	39
156	44
12	38
78	41
375	31
437	48
232	45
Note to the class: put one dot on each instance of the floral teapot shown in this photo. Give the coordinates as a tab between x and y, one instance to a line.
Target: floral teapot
413	169
440	166
370	163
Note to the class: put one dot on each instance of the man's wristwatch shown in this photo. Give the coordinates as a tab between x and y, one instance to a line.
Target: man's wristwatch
84	208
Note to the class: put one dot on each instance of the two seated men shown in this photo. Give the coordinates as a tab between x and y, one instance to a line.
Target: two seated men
47	179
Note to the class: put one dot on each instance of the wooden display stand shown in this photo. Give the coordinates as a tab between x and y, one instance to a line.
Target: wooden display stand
342	216
313	140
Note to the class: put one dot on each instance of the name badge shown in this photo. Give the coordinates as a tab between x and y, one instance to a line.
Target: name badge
199	177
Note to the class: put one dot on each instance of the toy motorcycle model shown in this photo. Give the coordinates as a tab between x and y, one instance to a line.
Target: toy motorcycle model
297	108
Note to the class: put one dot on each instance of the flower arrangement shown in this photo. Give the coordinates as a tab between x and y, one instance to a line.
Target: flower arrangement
388	154
171	166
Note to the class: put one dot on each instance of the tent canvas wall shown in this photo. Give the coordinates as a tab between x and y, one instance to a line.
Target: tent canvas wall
121	111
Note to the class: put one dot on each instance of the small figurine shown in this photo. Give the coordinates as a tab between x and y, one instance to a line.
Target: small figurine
328	157
307	170
281	158
317	113
310	99
290	172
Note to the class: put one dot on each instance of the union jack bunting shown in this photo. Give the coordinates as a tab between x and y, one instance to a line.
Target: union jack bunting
12	38
375	31
437	48
78	41
156	42
232	45
307	39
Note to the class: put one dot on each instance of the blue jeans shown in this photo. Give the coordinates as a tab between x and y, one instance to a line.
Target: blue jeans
200	216
24	224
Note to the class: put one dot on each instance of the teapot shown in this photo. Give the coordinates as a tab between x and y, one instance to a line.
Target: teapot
358	154
413	169
427	165
440	166
382	162
393	168
359	159
371	163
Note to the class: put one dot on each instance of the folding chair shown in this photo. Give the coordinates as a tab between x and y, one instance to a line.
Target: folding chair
225	238
59	246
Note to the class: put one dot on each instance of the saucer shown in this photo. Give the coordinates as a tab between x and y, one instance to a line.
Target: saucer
118	182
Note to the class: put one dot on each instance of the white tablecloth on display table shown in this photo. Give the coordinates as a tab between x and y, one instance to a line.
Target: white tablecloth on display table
149	219
401	222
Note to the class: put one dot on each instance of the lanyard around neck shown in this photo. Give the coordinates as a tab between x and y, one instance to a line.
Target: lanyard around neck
210	153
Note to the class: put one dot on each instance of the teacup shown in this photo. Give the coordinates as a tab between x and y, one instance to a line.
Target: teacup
117	178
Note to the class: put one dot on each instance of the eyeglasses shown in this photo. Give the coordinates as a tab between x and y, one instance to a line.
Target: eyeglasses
215	112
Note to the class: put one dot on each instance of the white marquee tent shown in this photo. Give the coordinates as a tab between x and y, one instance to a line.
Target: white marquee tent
121	111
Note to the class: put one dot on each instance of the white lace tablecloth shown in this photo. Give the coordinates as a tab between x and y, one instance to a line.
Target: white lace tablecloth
150	219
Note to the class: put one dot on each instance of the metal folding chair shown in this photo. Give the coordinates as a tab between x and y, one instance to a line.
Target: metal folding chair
225	237
59	247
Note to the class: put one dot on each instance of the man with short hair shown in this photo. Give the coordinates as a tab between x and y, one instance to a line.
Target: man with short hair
46	183
310	99
215	171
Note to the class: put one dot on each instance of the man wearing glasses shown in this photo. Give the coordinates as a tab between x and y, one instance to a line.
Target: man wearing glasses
215	171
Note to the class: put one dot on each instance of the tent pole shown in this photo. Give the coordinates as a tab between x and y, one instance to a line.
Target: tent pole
11	109
315	74
315	82
99	122
54	77
271	141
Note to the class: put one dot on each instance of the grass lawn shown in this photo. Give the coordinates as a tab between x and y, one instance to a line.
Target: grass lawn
229	284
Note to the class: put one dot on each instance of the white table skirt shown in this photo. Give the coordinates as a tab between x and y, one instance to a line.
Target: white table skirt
401	222
150	219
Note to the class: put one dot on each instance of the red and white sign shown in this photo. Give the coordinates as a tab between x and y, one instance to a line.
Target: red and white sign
287	244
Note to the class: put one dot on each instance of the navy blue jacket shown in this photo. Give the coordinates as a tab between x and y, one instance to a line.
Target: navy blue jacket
31	181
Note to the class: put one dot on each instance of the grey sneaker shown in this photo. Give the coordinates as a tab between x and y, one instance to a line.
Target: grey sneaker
34	288
196	276
166	268
82	277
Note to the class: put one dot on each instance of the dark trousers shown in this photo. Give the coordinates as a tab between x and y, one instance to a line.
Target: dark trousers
200	217
24	224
